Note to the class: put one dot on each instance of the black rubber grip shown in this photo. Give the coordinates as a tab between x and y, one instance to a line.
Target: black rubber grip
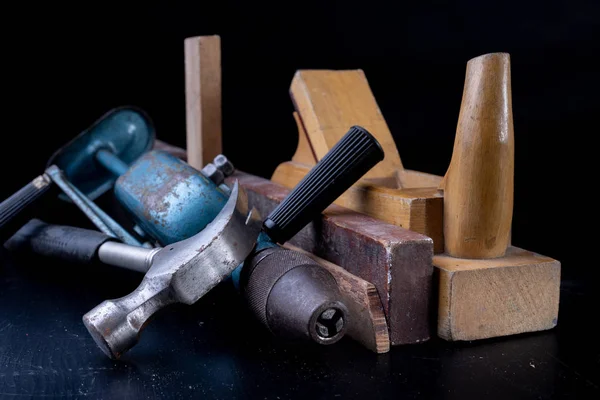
21	206
67	243
352	157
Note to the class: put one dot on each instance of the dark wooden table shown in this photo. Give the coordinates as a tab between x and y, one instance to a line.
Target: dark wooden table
215	350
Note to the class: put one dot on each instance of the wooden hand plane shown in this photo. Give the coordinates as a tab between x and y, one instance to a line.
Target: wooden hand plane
327	102
487	287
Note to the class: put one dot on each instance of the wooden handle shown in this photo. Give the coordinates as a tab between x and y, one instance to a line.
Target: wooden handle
478	187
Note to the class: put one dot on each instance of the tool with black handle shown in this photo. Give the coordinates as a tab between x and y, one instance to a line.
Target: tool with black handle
83	169
351	158
78	245
288	292
291	294
24	204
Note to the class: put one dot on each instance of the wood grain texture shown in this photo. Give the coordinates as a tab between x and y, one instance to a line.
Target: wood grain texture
367	319
513	294
304	153
397	261
203	99
410	179
478	187
419	209
330	102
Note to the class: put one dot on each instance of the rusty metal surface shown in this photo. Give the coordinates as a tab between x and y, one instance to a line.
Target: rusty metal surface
167	198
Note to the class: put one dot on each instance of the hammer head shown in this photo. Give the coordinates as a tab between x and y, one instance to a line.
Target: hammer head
181	272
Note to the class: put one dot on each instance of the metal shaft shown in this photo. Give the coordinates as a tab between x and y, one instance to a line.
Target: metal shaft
126	256
111	162
98	217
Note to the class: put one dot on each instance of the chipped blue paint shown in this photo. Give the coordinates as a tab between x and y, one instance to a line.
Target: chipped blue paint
167	198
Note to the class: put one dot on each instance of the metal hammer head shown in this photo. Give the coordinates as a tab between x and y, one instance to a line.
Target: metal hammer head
181	272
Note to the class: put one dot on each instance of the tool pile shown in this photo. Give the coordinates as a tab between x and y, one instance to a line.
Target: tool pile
192	231
307	268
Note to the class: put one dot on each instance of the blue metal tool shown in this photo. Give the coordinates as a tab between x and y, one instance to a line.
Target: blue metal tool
95	158
85	168
167	198
287	291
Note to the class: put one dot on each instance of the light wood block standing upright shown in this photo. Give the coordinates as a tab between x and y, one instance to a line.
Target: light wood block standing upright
487	287
203	99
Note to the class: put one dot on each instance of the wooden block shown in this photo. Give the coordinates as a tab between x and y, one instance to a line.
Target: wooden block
480	299
367	319
330	102
418	209
203	99
397	261
488	288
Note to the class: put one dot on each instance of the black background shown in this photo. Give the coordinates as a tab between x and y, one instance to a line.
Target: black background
69	64
66	65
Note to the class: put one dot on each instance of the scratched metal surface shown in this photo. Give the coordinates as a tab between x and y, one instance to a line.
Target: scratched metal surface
214	350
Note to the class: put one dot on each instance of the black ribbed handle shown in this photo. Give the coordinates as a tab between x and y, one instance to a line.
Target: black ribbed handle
352	157
57	241
21	206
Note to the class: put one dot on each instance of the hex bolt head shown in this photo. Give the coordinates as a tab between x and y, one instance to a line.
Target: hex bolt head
213	173
223	164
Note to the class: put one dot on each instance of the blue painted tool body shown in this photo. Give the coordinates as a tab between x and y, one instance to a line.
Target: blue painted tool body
287	291
167	198
83	169
172	201
95	158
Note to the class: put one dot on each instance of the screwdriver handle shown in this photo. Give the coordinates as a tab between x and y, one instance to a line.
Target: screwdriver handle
352	157
16	210
61	242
